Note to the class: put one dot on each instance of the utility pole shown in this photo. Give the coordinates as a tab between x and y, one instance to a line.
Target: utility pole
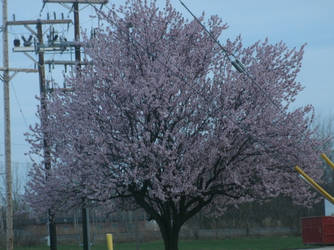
47	157
77	32
9	211
6	79
40	48
84	210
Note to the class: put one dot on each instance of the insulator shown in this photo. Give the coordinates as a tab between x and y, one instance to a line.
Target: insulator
17	42
238	66
27	42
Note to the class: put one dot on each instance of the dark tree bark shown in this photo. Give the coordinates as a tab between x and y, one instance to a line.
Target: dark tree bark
170	230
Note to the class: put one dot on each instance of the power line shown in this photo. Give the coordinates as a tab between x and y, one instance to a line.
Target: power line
18	103
242	69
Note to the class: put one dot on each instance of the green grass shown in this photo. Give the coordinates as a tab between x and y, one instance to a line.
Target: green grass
262	243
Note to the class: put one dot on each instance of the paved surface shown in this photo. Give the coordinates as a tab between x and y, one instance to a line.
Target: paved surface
319	248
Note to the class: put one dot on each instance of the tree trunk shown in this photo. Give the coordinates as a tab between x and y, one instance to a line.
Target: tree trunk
170	235
52	230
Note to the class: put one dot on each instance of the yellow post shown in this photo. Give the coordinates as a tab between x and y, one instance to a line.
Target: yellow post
109	241
315	185
327	160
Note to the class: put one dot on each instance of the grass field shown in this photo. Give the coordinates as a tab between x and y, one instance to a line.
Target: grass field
263	243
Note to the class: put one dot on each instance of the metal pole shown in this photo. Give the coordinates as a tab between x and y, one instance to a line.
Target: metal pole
9	212
47	156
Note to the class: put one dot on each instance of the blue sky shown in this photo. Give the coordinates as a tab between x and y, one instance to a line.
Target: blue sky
294	22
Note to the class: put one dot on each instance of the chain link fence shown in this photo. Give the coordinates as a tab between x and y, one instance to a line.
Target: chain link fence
278	217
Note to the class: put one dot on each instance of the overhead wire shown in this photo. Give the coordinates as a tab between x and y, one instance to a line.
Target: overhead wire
18	103
242	69
63	31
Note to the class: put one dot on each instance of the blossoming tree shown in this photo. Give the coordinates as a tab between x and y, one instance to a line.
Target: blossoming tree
161	120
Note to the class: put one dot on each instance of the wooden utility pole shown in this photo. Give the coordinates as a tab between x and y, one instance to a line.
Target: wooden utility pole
9	199
84	210
46	147
6	79
43	96
77	32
